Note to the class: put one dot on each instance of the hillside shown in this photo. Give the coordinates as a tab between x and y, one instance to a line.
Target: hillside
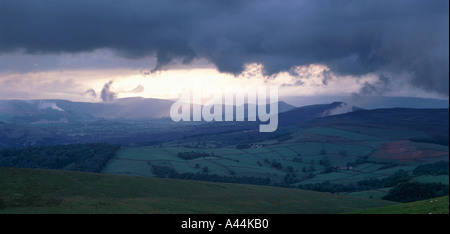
434	122
370	102
362	154
54	191
304	114
430	206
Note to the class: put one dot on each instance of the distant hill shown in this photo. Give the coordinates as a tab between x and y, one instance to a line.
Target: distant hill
53	191
129	121
139	121
52	111
431	121
126	108
399	102
370	102
282	107
306	113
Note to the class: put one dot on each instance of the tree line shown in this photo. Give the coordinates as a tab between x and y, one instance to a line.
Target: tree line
75	157
167	172
192	155
438	168
402	189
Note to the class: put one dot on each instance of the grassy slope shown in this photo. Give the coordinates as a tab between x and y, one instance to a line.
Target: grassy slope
52	191
429	206
381	135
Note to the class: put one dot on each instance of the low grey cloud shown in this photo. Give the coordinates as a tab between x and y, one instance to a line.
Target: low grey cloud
138	89
350	37
42	105
370	90
91	92
326	77
107	94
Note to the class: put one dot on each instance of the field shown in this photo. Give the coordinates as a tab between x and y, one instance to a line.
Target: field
430	206
257	162
311	155
411	152
53	191
352	161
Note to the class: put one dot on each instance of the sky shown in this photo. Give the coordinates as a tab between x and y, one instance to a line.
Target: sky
101	50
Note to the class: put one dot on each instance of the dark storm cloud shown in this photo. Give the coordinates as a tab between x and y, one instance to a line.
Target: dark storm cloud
326	77
350	37
378	88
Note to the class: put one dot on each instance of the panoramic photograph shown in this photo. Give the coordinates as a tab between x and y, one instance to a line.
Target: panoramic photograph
229	107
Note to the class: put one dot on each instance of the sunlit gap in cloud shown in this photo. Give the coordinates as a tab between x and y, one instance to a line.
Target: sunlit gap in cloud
301	81
87	84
